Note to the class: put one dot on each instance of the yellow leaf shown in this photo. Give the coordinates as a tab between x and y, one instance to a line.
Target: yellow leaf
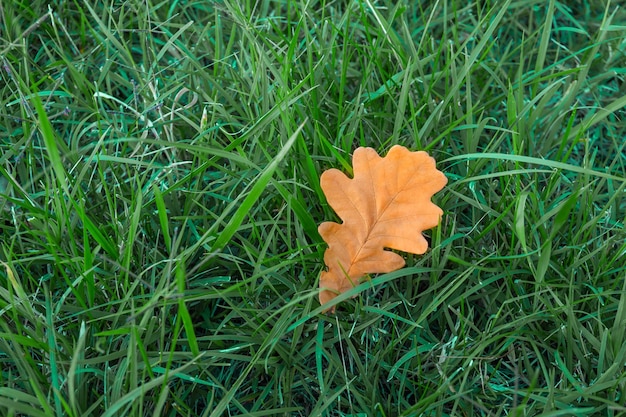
386	205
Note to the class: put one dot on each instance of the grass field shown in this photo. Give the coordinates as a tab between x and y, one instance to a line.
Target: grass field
160	197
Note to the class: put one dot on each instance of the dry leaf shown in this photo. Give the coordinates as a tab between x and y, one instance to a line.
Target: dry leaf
386	205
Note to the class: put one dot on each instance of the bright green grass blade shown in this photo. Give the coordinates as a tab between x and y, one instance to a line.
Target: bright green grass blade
185	377
545	38
50	142
74	376
618	329
520	218
536	161
255	192
184	315
162	213
52	350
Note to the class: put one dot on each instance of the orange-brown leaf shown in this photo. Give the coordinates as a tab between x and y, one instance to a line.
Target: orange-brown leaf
386	205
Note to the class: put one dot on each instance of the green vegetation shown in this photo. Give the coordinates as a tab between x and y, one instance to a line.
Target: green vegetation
159	203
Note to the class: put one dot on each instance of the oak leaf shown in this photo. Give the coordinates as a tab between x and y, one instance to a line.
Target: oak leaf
386	205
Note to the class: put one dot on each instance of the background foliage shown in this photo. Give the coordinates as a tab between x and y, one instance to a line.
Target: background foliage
159	199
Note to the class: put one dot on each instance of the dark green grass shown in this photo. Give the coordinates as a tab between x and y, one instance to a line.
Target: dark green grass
159	203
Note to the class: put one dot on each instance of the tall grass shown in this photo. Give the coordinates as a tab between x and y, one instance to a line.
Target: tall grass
159	203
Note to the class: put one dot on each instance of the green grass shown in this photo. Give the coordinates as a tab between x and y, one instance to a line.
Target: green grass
159	203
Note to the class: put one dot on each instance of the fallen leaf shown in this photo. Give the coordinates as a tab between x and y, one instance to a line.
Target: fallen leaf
386	205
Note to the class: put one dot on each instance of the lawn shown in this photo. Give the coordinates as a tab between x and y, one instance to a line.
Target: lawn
160	197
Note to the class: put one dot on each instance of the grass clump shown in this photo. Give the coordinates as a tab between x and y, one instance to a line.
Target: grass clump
159	202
